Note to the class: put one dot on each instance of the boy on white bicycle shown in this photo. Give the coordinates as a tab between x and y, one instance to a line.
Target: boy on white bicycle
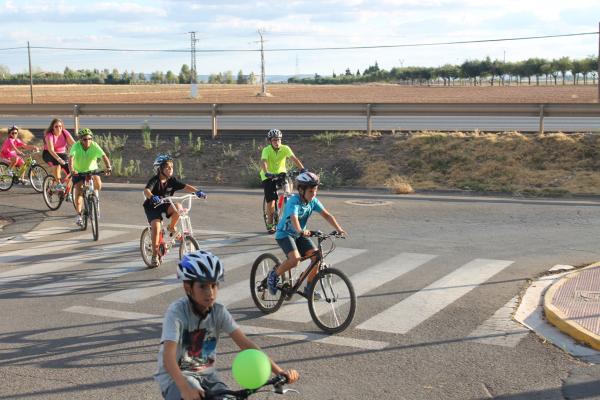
160	185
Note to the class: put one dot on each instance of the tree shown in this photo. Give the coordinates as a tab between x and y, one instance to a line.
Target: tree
185	75
252	79
170	77
227	77
348	72
564	65
157	77
241	78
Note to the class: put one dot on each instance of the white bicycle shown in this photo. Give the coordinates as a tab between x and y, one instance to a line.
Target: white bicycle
185	236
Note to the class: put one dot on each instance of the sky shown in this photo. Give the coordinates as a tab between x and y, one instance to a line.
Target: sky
228	39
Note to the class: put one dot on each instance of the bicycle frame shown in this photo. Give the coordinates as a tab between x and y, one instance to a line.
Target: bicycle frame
316	263
184	221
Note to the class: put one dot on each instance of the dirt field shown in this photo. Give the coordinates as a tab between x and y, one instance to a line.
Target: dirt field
372	93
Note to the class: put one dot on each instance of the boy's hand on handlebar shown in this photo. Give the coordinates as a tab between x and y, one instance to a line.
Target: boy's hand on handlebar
155	199
269	175
200	194
292	375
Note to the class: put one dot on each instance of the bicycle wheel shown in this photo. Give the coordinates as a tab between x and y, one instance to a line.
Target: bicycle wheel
146	247
6	179
188	244
93	215
265	301
335	310
275	214
52	197
36	175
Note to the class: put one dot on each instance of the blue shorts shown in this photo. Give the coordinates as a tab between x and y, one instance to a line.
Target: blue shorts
302	244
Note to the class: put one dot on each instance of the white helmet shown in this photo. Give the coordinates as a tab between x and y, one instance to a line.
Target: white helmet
308	179
274	134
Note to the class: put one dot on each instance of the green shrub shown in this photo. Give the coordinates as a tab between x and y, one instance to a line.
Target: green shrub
111	143
146	132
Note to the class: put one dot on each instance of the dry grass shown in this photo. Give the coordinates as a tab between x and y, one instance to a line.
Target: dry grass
399	185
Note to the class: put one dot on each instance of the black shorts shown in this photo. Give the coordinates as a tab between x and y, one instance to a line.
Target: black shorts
302	244
156	213
51	161
270	187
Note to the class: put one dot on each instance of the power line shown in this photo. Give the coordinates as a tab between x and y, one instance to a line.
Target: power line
311	48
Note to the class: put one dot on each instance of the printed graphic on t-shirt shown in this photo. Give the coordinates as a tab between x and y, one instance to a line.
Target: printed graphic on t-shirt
199	350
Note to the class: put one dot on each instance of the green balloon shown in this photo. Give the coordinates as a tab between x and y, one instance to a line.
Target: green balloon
251	368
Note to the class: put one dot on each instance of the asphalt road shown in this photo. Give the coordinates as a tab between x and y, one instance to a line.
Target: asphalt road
438	276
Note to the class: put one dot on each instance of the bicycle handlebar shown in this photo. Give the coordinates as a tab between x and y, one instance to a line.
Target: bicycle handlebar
277	382
322	236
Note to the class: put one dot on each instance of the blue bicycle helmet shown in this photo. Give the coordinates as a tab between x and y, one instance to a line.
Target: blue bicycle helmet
161	160
201	266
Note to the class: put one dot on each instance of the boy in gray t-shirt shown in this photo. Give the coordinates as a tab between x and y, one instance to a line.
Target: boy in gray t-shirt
191	330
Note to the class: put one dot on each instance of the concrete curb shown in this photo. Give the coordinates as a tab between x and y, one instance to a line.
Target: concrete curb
557	318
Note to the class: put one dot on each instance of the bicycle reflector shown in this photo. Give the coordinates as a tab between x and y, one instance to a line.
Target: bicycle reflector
251	368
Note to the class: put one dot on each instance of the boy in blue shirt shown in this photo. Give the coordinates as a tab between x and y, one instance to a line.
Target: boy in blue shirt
291	235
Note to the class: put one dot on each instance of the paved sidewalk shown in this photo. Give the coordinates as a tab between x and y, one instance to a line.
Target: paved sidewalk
573	305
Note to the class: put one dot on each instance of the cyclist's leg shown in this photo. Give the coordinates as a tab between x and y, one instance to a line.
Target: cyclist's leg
306	247
78	194
172	392
290	249
18	164
270	190
97	184
155	230
174	216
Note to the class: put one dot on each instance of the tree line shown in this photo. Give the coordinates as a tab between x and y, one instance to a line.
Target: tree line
473	72
114	77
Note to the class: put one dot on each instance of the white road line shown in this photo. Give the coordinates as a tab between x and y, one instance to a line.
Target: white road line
89	279
363	282
38	233
114	314
500	329
57	264
404	316
248	329
56	245
227	294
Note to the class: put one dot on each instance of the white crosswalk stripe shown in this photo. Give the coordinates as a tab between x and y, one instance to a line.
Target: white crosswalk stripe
57	264
363	283
147	290
406	315
33	235
399	318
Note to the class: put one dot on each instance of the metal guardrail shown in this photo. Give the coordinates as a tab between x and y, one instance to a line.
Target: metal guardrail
539	110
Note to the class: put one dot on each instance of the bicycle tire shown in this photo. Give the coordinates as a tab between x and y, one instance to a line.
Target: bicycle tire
146	247
36	176
264	301
335	310
6	179
52	198
187	245
93	215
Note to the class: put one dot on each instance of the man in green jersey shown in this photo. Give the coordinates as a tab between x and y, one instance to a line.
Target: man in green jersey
83	157
272	162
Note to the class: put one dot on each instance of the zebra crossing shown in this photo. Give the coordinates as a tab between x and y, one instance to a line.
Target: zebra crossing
120	260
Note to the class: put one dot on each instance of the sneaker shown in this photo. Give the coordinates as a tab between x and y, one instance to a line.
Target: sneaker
24	182
70	198
271	228
316	294
79	220
272	281
155	261
175	234
59	186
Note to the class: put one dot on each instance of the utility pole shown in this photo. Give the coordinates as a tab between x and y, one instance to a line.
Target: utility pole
263	84
30	74
193	77
598	62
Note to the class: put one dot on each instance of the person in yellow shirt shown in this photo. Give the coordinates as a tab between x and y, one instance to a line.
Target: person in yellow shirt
272	162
